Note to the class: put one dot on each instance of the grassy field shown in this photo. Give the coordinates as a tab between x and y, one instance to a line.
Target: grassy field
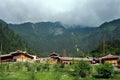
47	76
23	71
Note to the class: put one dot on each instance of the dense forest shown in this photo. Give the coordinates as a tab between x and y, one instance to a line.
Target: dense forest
107	47
10	42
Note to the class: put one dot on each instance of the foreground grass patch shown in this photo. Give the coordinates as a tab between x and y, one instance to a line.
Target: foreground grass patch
28	71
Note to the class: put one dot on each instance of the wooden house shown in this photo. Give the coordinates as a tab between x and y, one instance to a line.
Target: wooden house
18	56
54	58
112	59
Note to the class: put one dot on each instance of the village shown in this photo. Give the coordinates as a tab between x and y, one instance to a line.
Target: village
54	58
22	65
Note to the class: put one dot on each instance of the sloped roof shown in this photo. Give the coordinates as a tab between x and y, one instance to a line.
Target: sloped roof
110	56
17	52
5	55
54	54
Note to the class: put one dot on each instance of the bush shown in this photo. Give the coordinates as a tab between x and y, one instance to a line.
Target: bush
38	67
19	66
33	76
2	71
62	65
59	67
56	67
105	70
45	67
83	69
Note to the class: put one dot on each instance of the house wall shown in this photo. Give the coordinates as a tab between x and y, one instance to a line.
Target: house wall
42	60
6	59
22	58
52	61
114	62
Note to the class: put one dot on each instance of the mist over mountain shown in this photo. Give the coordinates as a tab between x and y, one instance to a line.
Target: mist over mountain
80	12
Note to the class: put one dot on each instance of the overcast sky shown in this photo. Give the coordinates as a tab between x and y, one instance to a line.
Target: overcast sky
83	12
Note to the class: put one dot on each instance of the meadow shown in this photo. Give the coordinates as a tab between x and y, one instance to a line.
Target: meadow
37	71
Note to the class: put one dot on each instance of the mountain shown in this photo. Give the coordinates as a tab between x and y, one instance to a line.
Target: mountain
47	37
108	31
9	41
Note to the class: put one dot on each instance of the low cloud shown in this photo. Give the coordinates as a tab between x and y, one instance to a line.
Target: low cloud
79	12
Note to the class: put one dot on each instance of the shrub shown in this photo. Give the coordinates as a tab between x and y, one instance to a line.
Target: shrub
59	67
18	66
45	67
62	65
38	67
2	71
83	69
105	70
33	76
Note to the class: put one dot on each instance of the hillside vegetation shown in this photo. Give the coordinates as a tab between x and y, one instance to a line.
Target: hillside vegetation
110	47
47	37
10	41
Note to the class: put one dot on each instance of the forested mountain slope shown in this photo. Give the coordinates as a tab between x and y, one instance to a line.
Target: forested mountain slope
46	37
9	41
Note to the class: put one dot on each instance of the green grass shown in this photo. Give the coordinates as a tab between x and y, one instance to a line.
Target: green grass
51	74
38	76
